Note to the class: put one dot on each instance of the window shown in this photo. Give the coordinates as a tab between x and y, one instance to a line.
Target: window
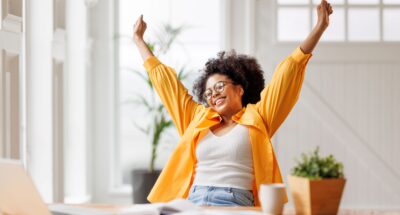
199	41
352	20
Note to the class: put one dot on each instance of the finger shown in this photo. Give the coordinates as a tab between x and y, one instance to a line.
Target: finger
138	21
328	7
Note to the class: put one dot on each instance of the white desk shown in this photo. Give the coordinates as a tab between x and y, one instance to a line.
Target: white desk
111	208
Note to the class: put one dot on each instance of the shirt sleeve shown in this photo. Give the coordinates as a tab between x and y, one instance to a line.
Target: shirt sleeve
282	92
175	97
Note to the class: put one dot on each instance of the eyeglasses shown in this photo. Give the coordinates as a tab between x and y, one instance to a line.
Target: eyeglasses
218	87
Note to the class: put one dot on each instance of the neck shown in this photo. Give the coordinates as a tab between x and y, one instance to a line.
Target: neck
227	118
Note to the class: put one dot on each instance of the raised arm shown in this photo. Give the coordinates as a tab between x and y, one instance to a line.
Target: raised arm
282	92
171	91
138	32
324	9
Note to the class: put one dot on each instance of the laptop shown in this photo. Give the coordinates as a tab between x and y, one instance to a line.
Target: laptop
18	194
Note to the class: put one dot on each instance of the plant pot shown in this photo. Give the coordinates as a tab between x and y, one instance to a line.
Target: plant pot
142	182
316	196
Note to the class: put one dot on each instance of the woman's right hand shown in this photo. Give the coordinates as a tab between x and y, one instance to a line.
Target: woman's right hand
139	29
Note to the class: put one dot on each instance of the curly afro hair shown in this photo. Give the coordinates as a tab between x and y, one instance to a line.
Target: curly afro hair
241	69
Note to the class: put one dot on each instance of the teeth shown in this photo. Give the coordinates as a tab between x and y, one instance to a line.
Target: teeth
216	101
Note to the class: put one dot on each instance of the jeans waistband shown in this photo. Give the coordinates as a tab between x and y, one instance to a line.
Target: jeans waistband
227	189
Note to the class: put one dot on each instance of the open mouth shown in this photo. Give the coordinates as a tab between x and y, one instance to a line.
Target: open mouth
219	101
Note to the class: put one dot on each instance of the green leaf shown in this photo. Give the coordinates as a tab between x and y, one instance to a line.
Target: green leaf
142	75
183	73
151	46
140	100
140	128
167	35
313	166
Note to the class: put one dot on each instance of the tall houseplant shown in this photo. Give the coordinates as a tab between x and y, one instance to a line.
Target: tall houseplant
159	121
317	184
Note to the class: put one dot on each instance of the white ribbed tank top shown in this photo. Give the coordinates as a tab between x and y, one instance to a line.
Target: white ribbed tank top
225	161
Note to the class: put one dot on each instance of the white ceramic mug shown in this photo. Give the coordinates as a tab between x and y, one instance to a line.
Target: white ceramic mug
272	198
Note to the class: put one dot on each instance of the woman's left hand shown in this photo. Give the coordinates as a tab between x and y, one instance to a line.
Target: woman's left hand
324	9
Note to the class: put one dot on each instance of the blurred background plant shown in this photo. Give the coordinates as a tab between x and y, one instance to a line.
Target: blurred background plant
313	166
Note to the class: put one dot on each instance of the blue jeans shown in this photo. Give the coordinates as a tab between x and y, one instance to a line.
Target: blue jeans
220	196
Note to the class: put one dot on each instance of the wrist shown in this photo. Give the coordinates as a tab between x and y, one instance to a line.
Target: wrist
138	40
321	26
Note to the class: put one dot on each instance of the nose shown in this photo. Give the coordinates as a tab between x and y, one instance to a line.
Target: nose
214	94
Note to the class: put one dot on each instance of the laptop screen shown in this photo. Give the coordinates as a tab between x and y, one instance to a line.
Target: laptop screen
18	194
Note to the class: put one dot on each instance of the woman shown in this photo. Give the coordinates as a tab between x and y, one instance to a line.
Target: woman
225	151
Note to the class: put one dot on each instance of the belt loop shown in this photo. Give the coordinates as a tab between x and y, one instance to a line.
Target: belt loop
230	189
194	188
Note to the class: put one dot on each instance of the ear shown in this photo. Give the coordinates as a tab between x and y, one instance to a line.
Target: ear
241	92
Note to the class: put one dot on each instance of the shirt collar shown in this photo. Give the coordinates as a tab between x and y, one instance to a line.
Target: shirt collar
244	117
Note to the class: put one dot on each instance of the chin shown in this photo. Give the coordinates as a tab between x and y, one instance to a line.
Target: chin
220	109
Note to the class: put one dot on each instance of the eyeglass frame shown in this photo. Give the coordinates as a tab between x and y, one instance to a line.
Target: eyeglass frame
207	98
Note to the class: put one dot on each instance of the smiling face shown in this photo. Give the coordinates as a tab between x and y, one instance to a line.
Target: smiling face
228	101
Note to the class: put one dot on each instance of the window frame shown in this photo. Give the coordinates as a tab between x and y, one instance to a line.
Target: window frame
325	51
345	6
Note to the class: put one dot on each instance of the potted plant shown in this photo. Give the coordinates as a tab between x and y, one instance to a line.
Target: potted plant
159	121
317	184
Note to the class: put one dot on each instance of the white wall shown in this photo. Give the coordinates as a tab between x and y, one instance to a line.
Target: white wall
349	110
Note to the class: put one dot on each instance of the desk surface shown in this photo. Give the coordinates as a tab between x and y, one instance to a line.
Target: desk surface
287	211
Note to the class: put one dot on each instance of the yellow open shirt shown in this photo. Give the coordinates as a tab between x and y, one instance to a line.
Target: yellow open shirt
193	120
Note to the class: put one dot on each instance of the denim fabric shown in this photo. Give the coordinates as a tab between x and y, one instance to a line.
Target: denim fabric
220	196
